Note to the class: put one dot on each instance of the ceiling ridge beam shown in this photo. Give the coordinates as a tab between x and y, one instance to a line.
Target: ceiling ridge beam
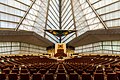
46	21
73	17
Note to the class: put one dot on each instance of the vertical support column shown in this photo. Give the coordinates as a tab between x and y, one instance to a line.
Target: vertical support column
73	17
92	47
20	48
112	47
60	39
60	17
60	12
11	48
102	47
82	48
29	48
46	18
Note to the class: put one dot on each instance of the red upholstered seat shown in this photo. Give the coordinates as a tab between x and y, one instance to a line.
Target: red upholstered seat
36	76
24	76
73	76
98	76
112	76
86	76
61	76
49	76
13	76
2	76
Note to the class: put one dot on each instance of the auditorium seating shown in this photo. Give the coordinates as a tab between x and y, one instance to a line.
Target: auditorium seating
36	76
2	76
49	76
12	76
42	68
98	76
73	76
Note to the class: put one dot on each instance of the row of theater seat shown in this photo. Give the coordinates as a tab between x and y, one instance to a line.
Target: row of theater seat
58	76
97	67
25	67
42	68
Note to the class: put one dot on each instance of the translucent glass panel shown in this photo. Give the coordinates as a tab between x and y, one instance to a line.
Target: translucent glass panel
17	47
109	11
111	47
85	17
37	15
9	47
11	12
29	48
23	14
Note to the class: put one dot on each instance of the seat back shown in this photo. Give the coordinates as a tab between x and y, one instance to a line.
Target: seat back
6	71
2	76
73	76
12	76
118	74
33	71
24	76
90	71
79	71
36	76
70	71
49	76
61	76
15	71
109	71
61	71
112	76
42	71
99	71
24	71
86	76
52	71
98	76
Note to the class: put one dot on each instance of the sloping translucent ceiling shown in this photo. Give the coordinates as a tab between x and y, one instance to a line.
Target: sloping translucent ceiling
80	15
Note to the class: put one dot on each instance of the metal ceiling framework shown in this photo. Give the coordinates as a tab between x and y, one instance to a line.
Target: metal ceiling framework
24	16
80	15
58	18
